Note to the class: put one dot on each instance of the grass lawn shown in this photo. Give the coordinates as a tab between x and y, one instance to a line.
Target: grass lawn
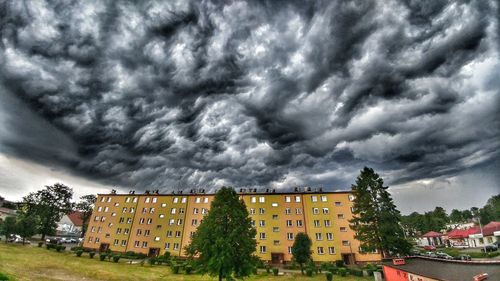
33	263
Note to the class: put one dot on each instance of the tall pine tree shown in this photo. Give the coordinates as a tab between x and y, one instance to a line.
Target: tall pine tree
224	242
376	220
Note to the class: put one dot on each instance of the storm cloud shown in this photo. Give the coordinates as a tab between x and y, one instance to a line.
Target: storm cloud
168	95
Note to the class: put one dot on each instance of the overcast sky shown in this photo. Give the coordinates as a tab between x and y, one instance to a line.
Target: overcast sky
169	95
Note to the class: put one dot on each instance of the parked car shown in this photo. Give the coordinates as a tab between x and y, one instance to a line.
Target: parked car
430	254
445	256
430	248
415	252
490	248
463	257
54	240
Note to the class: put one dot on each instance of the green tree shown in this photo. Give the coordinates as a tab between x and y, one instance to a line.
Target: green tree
26	226
376	220
456	216
467	215
301	249
224	242
48	206
8	227
85	206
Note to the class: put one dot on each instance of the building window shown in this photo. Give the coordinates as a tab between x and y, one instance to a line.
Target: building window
275	217
169	233
150	221
262	236
118	231
262	199
314	198
173	211
329	236
288	211
126	231
274	204
331	250
137	244
253	199
276	242
205	200
132	210
338	203
179	222
204	211
129	220
176	246
289	236
167	246
262	211
262	223
96	218
315	211
290	250
276	229
144	210
252	211
97	240
164	205
197	200
139	232
141	220
181	210
345	243
124	243
115	242
288	199
161	216
151	210
106	209
147	232
299	223
320	251
340	216
147	200
135	200
343	229
127	200
252	223
327	223
351	197
289	223
144	244
326	211
319	236
90	239
352	210
157	238
155	199
102	199
184	199
109	199
262	249
323	198
298	211
177	234
317	223
297	199
92	229
99	209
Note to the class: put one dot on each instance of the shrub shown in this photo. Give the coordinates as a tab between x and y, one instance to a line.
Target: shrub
342	271
356	272
309	271
79	253
91	255
76	248
152	261
329	276
40	244
275	271
268	268
176	268
116	258
102	256
60	248
50	246
166	255
339	263
188	269
3	277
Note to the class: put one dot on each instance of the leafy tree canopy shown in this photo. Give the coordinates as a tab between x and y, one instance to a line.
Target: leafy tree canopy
224	242
301	249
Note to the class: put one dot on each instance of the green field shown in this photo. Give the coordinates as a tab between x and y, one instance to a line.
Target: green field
33	263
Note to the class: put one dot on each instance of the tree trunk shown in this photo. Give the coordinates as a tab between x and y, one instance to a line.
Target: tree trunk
43	237
302	269
23	241
220	274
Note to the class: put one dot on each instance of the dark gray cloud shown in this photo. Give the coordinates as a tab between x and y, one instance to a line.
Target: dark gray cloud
261	93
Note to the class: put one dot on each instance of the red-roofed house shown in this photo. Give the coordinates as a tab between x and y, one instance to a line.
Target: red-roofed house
459	238
491	233
70	224
431	238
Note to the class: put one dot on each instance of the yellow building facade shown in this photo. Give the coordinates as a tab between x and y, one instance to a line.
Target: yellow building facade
155	223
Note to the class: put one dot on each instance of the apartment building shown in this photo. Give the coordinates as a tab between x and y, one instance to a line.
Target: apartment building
154	223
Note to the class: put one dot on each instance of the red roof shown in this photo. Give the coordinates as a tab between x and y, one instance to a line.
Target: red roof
462	233
490	228
432	234
76	218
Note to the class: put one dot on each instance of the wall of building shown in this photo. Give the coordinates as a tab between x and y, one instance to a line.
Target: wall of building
153	222
395	274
